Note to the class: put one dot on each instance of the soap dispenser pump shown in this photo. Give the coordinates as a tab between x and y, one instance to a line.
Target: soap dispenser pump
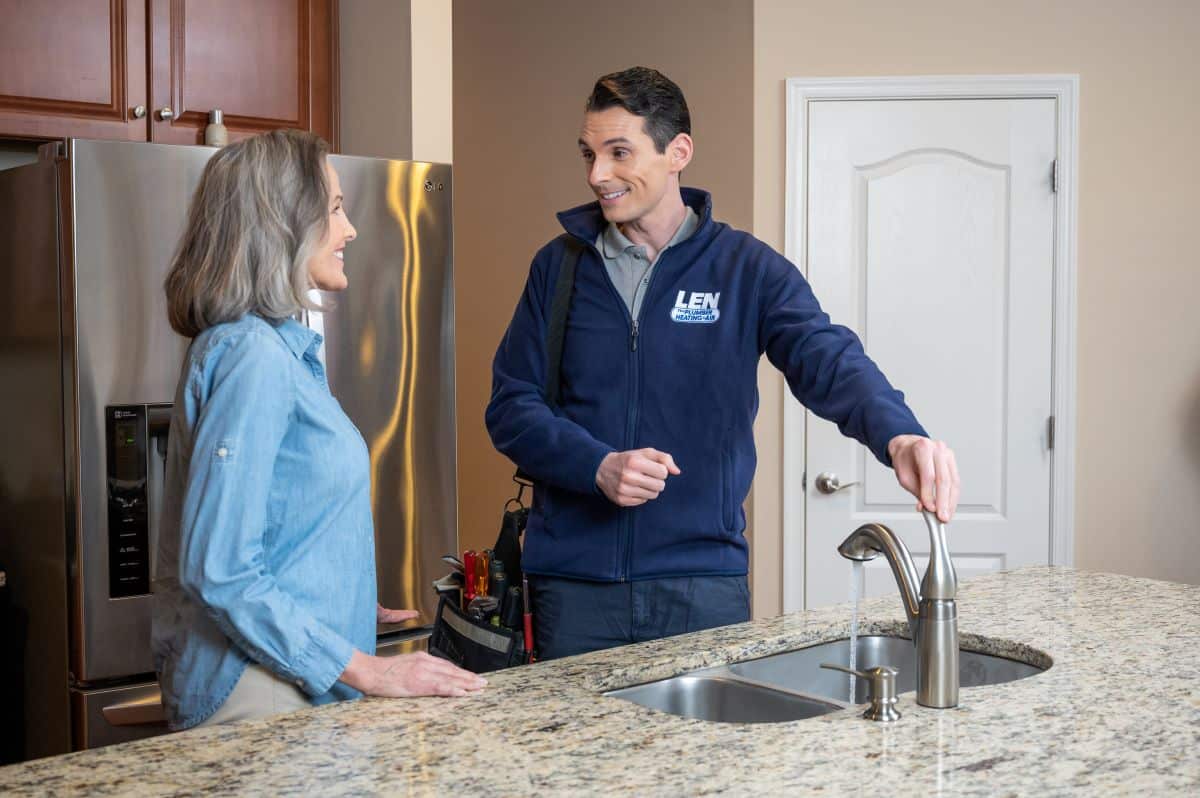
215	134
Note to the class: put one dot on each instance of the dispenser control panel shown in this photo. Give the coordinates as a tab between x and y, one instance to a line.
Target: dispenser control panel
128	500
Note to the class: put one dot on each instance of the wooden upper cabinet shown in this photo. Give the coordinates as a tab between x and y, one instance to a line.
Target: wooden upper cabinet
266	64
88	68
72	68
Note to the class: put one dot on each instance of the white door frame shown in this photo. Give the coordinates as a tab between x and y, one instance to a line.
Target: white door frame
1064	89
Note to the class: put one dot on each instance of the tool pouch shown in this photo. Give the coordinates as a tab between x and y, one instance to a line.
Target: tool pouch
474	645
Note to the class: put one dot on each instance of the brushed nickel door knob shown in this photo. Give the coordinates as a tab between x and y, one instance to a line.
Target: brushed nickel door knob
828	482
139	112
166	113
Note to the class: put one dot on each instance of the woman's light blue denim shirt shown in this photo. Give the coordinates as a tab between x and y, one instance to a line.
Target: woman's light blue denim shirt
266	547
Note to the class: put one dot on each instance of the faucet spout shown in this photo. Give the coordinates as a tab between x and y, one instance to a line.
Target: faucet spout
868	542
932	612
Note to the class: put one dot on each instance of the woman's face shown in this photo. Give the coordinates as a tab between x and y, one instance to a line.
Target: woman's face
326	269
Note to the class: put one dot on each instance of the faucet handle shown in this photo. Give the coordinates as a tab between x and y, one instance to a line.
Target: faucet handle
882	681
941	581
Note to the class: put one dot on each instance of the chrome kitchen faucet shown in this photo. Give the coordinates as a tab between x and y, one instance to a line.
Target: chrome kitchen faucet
932	613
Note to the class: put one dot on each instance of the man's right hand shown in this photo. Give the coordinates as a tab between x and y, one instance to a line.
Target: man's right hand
409	675
635	477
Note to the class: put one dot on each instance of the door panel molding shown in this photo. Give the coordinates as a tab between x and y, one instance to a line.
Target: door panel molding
182	76
877	488
186	116
1064	89
46	108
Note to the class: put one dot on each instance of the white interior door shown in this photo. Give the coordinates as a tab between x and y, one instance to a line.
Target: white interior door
931	234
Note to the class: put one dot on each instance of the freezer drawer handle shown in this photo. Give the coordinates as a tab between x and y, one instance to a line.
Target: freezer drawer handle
137	712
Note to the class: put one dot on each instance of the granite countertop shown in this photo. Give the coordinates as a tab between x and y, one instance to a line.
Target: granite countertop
1118	712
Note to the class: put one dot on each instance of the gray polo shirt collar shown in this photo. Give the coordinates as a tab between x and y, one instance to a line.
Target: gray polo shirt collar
626	262
614	243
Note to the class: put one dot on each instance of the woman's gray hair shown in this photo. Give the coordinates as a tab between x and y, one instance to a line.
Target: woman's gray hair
260	211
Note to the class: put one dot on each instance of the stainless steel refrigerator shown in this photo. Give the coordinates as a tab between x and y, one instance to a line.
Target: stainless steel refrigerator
88	368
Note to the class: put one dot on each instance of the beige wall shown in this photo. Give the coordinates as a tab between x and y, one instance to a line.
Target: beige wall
1138	456
432	80
375	66
522	71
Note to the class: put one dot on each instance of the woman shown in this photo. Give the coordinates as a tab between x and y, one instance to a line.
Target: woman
265	593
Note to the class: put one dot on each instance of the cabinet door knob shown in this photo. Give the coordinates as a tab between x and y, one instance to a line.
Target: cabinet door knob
166	113
139	111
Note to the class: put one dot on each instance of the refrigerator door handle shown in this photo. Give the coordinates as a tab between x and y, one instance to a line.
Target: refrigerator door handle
137	712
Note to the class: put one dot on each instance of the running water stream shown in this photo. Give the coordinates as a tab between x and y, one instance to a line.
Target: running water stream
856	591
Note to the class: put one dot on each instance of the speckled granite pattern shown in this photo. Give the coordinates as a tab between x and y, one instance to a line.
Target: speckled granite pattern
1118	713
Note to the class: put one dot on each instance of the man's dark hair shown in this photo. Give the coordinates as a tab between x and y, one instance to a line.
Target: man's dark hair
649	94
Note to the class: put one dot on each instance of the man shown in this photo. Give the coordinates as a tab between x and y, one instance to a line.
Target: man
642	466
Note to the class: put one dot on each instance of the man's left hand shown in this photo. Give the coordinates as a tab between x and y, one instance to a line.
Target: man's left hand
926	469
384	615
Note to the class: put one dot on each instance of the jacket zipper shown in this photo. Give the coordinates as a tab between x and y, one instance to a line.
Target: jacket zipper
630	430
634	406
631	417
633	331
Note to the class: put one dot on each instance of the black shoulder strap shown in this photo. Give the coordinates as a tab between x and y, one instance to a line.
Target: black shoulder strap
557	328
556	331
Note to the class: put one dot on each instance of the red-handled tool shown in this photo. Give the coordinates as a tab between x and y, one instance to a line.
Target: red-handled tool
482	567
469	572
528	618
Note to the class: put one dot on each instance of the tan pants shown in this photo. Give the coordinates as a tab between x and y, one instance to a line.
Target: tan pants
259	694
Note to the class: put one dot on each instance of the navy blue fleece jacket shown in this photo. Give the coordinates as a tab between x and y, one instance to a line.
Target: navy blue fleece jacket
682	379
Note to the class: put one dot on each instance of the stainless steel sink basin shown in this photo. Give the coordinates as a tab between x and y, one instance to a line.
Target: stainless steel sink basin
801	670
793	686
725	700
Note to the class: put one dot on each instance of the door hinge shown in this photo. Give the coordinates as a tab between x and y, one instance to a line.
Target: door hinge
804	482
1054	176
1050	432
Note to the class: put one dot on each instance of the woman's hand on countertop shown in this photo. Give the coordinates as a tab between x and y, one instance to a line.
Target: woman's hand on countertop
384	615
408	676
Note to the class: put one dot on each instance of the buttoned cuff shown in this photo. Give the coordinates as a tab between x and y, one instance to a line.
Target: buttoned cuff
322	663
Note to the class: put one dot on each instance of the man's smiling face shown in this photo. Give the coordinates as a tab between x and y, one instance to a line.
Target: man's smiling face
627	173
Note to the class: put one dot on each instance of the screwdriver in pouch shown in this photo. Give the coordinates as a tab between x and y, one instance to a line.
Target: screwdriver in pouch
528	619
469	557
481	572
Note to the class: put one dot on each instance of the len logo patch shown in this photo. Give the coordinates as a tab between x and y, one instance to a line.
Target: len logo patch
699	307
